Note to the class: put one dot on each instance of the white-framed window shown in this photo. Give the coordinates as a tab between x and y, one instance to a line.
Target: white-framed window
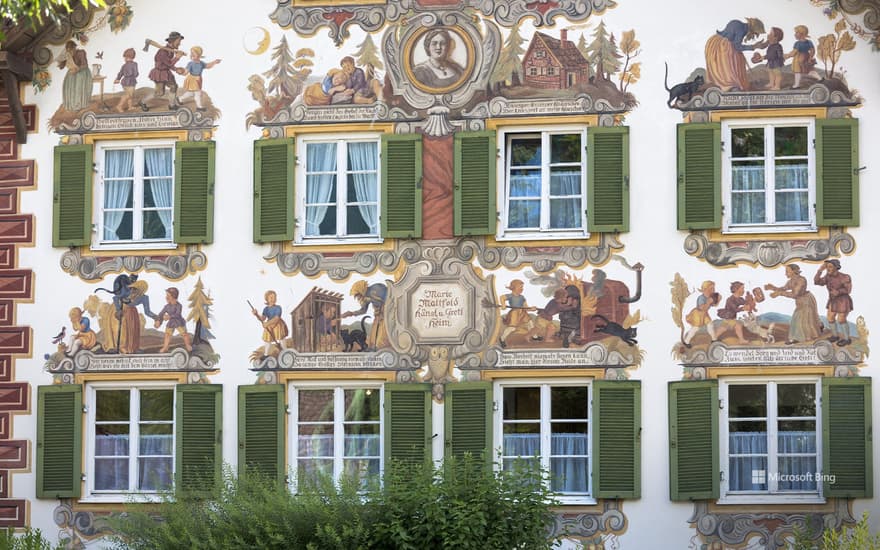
544	189
533	71
770	440
337	430
338	188
768	175
548	423
130	440
134	198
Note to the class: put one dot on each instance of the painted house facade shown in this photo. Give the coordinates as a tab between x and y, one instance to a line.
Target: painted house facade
276	239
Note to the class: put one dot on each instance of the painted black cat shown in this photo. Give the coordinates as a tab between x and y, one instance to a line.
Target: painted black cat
356	336
677	92
628	335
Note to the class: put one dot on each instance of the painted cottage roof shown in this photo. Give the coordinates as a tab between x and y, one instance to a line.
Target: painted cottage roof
565	51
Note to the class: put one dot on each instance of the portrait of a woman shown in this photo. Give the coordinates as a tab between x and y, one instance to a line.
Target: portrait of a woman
439	70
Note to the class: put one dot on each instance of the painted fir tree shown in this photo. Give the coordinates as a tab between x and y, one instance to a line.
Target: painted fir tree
630	48
510	62
199	310
368	54
602	53
287	74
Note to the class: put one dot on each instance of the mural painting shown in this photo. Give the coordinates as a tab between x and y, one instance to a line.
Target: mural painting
166	61
130	330
465	66
804	318
773	62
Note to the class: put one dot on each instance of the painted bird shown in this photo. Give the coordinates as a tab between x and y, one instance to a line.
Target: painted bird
60	336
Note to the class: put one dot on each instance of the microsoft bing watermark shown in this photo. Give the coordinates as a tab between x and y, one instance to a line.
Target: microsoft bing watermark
761	477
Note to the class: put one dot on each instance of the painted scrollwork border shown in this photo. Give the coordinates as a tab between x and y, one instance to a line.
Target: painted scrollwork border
338	19
172	266
610	520
737	528
767	253
540	258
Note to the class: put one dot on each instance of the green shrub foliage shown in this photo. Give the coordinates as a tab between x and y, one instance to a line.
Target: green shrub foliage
29	539
858	537
461	505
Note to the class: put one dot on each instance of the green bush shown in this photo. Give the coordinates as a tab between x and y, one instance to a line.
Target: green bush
858	537
30	539
462	505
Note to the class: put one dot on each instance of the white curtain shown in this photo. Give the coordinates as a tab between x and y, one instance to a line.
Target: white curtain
362	160
155	465
745	470
565	211
569	452
157	174
748	205
792	205
320	157
118	177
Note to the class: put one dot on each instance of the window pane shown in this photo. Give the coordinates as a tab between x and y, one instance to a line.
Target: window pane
525	183
522	403
798	473
112	405
747	401
747	142
530	463
747	175
315	440
569	438
111	440
357	220
158	162
118	163
157	224
118	194
792	174
362	187
155	473
565	213
315	405
363	156
569	475
797	436
157	405
320	220
796	399
524	214
156	439
569	402
310	469
111	474
362	404
362	440
361	468
525	151
565	181
792	207
522	439
790	141
565	148
748	208
157	193
748	473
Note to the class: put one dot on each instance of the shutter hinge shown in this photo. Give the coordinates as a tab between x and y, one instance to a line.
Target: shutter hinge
419	183
721	404
722	146
721	475
494	406
626	182
859	169
85	408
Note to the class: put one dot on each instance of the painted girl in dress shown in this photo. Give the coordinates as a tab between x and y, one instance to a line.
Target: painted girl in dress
725	62
77	88
805	324
803	56
274	327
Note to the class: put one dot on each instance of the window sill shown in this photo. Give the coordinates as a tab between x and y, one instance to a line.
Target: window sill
771	499
557	236
122	498
138	247
337	241
576	501
759	230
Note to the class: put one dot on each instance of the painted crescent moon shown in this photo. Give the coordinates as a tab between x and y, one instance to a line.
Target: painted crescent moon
256	40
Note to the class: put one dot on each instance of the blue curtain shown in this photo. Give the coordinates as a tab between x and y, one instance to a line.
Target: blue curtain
565	202
320	177
157	174
569	457
155	464
118	179
363	163
796	459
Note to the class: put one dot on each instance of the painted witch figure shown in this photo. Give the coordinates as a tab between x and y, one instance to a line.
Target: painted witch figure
726	65
77	89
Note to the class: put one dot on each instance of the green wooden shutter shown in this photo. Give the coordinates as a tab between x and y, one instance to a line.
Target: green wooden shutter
837	171
274	162
617	438
402	186
261	429
72	195
194	192
408	422
475	183
59	441
699	176
199	460
468	420
694	471
608	178
847	438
